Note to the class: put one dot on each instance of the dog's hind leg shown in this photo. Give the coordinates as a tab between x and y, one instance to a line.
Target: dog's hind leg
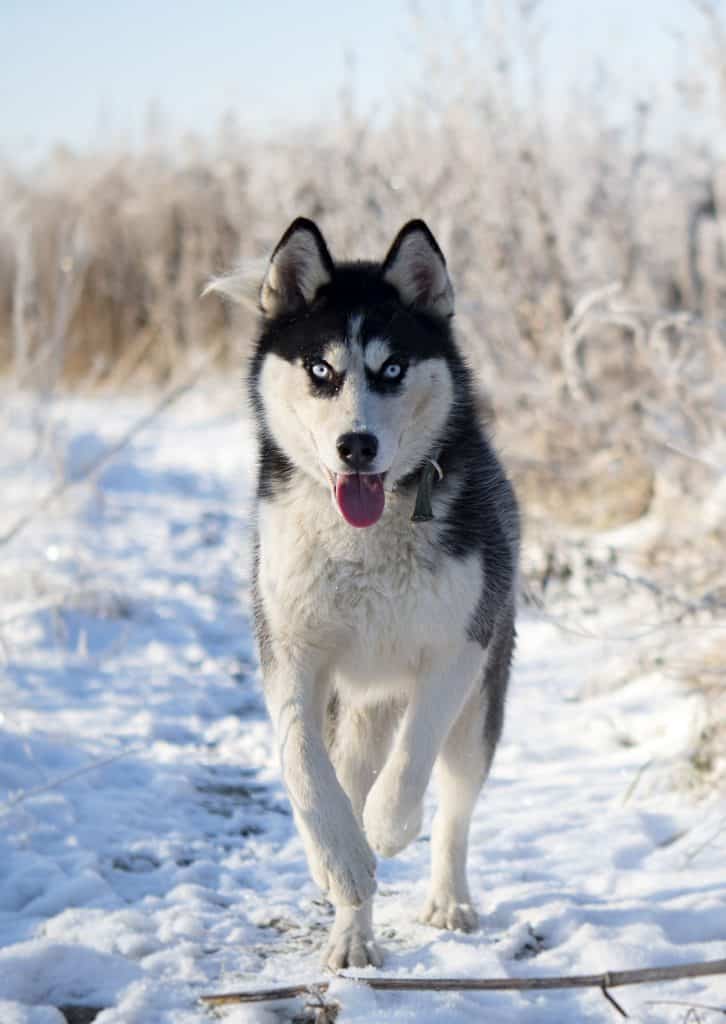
462	766
360	740
393	812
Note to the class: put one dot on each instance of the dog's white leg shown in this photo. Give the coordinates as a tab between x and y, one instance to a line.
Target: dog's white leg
460	771
393	811
361	741
341	861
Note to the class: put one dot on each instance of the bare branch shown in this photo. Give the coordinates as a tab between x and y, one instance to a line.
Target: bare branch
60	780
608	980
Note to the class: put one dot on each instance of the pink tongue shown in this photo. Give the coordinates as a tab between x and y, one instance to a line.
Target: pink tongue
360	497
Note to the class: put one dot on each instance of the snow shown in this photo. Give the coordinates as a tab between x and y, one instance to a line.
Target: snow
147	853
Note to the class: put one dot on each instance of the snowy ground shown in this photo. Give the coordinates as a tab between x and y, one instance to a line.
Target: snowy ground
147	854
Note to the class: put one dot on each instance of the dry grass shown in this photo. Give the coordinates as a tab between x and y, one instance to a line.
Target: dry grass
589	262
105	255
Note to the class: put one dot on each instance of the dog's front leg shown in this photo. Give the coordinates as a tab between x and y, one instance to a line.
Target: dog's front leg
340	859
393	811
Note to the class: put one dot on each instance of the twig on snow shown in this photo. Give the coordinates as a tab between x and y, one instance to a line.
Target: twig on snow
692	854
682	1002
638	776
58	490
26	794
613	1001
608	980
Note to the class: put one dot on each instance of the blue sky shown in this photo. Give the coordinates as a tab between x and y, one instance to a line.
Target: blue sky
86	73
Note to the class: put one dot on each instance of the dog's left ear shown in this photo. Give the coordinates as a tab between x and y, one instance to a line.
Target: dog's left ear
416	268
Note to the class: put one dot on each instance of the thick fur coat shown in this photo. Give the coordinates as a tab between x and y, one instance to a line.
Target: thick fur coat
385	643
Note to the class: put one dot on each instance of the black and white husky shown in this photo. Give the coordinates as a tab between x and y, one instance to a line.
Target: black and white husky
385	568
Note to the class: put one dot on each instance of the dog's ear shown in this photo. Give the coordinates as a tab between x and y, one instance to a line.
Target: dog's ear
299	266
416	268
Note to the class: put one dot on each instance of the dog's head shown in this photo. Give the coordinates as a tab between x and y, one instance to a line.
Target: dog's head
353	370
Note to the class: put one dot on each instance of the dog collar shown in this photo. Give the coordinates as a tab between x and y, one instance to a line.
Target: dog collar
423	511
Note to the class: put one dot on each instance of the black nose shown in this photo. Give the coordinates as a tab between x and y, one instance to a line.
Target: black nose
357	450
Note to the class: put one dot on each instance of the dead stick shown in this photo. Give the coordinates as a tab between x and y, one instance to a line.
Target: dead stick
684	1002
613	1002
26	794
611	979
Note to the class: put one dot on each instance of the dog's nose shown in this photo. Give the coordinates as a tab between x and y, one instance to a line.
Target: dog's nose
357	450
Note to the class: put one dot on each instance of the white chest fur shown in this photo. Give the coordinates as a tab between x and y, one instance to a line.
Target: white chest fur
372	602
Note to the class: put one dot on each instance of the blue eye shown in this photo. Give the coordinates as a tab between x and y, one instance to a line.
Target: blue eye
321	371
392	371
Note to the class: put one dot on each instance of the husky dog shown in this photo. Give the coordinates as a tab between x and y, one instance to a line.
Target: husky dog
385	568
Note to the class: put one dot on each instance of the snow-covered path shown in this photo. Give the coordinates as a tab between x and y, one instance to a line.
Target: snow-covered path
147	854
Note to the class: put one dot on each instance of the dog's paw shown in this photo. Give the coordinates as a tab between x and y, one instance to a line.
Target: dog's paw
351	946
443	911
389	824
389	837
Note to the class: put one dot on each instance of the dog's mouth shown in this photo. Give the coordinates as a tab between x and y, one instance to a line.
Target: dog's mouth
359	496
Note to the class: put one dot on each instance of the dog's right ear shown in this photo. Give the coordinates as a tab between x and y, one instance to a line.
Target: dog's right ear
300	265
